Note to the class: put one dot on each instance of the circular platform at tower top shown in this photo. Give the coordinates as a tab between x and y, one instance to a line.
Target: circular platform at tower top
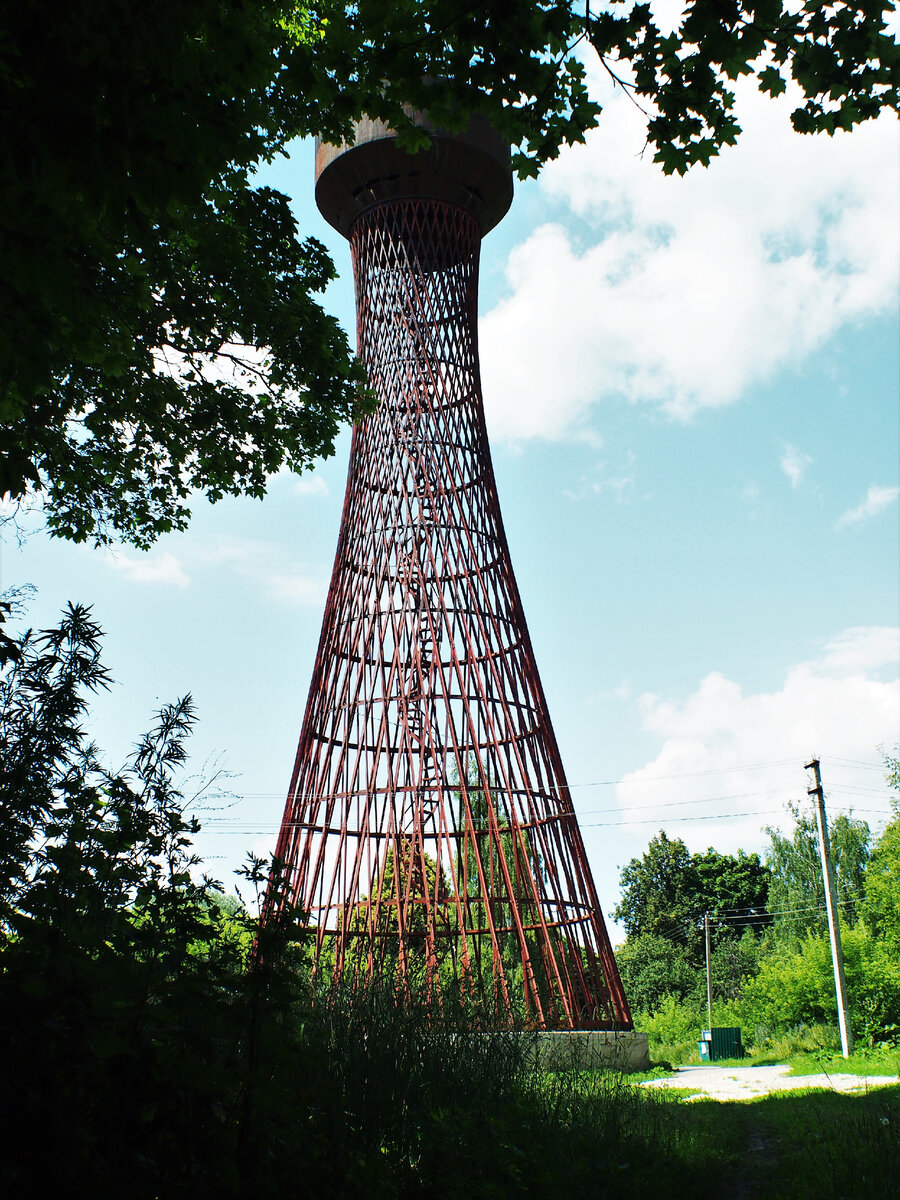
470	169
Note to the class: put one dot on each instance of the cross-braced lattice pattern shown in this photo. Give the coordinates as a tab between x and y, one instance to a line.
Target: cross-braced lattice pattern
429	832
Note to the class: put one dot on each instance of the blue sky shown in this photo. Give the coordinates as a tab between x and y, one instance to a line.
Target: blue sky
691	389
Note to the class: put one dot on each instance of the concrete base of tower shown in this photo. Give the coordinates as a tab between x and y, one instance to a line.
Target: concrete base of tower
593	1049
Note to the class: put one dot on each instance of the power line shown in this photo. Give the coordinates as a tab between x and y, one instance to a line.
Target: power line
855	762
626	781
273	827
760	812
771	912
680	803
692	924
781	762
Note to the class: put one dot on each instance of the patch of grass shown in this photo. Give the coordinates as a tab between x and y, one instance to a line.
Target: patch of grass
879	1061
826	1145
866	1061
657	1071
677	1053
799	1145
686	1093
779	1046
808	1050
790	1146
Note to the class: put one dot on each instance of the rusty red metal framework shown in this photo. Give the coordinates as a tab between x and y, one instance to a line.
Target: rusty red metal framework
428	833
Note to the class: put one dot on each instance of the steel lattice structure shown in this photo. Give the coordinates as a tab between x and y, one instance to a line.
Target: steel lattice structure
428	830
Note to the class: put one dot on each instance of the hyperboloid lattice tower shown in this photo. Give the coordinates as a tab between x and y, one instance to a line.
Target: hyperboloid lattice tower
429	837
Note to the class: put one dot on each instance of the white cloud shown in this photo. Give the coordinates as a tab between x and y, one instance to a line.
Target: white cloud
877	499
863	648
724	751
618	483
794	463
277	573
310	485
153	567
685	292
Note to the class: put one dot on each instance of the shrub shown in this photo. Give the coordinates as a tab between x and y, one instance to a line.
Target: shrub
795	989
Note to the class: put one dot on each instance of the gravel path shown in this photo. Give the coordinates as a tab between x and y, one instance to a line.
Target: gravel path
744	1083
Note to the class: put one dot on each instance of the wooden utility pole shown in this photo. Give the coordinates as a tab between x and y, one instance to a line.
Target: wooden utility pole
831	908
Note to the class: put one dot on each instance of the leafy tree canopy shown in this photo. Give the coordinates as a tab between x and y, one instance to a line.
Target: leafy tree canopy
882	904
652	969
160	328
881	908
797	892
668	891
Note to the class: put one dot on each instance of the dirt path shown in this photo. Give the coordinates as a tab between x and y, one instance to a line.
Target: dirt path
746	1083
760	1152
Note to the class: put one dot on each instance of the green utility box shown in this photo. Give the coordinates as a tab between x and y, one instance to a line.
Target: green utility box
716	1044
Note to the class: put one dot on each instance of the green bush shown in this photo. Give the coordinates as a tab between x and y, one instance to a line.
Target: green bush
791	988
654	970
873	983
795	989
142	1058
673	1029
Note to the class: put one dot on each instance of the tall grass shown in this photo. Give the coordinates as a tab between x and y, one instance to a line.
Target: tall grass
407	1101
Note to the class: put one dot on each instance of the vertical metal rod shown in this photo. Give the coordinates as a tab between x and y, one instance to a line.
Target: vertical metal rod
834	930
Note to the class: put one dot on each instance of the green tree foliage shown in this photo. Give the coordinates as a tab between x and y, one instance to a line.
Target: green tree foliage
486	857
881	909
141	1059
882	903
667	891
408	893
659	892
483	859
409	884
114	963
514	60
781	982
159	328
796	987
735	888
653	968
841	58
657	974
733	962
892	777
797	892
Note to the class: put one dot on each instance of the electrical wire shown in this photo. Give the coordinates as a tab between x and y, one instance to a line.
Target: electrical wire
840	790
272	827
644	779
855	762
692	926
679	803
758	812
781	762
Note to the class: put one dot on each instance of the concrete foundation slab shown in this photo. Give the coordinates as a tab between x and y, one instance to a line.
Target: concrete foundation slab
586	1050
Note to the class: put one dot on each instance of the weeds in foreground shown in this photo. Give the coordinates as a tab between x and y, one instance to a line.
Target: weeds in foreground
142	1059
816	1145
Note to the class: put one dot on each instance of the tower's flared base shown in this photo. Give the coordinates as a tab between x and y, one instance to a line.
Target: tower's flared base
429	836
